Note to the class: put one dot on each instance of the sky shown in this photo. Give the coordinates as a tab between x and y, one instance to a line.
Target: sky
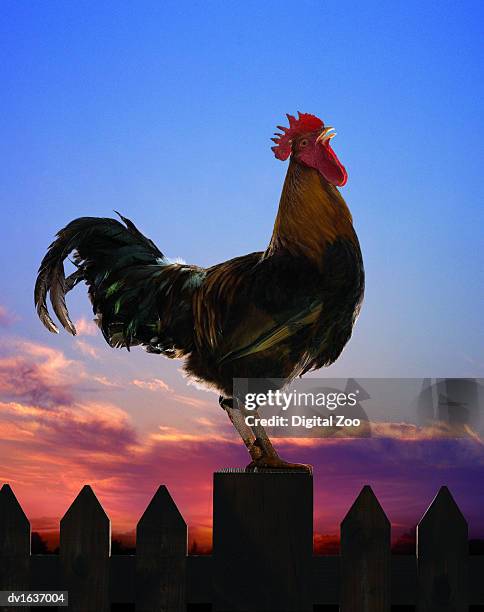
164	111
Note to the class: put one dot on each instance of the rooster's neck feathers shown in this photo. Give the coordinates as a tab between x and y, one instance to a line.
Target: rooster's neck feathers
312	215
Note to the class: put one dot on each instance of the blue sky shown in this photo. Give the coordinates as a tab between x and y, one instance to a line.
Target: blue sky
164	110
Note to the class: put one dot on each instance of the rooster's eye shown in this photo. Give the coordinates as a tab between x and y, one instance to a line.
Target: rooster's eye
303	142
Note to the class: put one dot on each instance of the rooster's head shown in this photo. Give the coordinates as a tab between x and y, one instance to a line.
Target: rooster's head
307	141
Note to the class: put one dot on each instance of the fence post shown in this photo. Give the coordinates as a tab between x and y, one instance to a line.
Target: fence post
262	540
85	544
365	556
161	550
442	557
14	543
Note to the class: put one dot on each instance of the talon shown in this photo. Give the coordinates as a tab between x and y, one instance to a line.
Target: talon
276	463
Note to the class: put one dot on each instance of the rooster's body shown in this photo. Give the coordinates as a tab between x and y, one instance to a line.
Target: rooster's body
277	313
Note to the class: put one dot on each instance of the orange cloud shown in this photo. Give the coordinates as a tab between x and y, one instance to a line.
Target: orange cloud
205	434
415	433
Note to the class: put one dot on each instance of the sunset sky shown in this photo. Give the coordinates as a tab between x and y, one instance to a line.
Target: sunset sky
164	111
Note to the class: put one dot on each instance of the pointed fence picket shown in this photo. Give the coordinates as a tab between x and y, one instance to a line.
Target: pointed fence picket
365	556
161	550
85	546
262	549
442	557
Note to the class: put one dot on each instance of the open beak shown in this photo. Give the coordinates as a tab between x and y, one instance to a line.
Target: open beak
326	135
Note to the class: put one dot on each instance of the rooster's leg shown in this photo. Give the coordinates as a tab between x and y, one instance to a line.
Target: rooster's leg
237	418
269	458
263	454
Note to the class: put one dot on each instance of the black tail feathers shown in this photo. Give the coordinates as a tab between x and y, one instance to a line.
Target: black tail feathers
94	242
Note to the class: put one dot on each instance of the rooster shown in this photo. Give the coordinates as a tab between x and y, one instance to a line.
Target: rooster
276	313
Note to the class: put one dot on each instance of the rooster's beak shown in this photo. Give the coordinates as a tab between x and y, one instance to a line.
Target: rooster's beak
326	135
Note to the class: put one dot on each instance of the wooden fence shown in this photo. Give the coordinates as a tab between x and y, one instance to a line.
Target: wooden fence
262	555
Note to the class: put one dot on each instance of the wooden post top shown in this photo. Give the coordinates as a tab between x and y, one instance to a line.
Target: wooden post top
261	472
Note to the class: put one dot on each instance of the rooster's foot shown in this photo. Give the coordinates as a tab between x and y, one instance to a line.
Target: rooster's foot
276	463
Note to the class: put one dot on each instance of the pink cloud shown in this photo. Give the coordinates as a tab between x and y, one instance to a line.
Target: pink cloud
153	384
86	328
103	380
38	374
56	440
87	349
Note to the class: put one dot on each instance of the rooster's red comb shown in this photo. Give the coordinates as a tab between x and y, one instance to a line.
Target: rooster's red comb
304	123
